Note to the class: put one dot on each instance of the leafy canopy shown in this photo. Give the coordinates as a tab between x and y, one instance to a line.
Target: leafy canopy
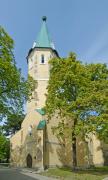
14	89
4	148
79	93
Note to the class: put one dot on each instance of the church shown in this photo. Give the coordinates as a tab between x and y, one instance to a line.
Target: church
35	145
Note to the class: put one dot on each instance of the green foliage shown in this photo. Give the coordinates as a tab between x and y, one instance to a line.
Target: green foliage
78	93
13	123
4	148
14	89
1	130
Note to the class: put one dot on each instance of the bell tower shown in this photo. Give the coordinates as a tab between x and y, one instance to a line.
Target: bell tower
38	65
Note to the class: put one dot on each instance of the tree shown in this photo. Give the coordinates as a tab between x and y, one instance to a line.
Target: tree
78	93
14	89
4	148
13	123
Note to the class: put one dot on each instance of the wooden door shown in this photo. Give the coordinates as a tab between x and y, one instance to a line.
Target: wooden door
29	161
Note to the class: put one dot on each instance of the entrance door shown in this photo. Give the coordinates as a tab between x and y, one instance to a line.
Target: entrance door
29	161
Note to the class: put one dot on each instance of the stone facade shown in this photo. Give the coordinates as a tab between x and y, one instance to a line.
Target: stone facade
40	148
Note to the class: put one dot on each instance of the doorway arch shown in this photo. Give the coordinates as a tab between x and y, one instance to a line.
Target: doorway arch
29	161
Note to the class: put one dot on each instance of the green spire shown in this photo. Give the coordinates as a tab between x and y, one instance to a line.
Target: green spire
43	39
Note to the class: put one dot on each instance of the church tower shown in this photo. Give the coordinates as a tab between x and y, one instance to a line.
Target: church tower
38	65
35	145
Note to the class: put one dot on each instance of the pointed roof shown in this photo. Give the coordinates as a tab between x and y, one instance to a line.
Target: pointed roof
43	39
41	125
40	111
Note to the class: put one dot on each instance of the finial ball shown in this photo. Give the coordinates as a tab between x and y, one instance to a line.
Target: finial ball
44	18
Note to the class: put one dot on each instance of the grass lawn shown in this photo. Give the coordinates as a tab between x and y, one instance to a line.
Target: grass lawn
89	174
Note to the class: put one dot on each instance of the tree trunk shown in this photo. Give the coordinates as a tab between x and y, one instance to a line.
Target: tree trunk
74	155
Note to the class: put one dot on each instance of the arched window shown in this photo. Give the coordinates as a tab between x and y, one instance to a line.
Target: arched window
42	59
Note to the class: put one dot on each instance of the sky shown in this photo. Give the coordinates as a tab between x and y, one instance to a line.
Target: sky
79	26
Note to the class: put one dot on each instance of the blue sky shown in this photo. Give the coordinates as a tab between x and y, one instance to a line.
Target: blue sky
80	26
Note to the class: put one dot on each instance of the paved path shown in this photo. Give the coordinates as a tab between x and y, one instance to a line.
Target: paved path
15	174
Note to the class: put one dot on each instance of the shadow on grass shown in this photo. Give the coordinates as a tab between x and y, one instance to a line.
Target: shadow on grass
100	171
